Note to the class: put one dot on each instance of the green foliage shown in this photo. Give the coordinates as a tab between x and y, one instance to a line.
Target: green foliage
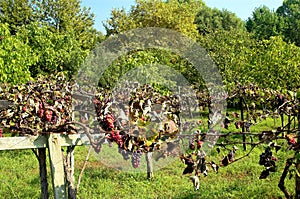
269	63
156	13
54	35
274	64
264	23
284	22
67	16
16	57
209	20
230	51
62	15
163	14
16	13
53	51
290	13
151	59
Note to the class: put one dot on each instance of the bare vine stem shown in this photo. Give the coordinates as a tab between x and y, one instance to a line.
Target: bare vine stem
281	184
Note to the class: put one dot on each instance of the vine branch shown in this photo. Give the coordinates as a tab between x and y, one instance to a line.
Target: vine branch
281	184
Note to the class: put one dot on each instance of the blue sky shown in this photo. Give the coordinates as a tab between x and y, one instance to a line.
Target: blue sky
242	8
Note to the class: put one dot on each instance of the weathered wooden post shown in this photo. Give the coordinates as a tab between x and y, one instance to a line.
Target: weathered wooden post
53	142
57	167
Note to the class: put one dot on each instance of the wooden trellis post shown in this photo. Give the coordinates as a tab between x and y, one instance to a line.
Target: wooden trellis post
53	142
57	166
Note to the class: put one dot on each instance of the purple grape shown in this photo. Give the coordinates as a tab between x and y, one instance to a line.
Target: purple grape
136	159
124	153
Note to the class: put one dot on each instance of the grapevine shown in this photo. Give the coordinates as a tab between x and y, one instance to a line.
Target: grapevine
151	121
38	107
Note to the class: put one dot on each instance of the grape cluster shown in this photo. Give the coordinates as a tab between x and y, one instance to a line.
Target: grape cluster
125	154
189	162
136	158
268	161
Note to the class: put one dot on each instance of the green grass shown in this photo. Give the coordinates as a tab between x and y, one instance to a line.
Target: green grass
239	180
19	179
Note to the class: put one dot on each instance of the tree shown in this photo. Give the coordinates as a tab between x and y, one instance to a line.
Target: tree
151	59
67	16
264	23
229	51
209	20
269	63
53	51
59	33
275	64
16	13
156	14
62	15
285	22
290	13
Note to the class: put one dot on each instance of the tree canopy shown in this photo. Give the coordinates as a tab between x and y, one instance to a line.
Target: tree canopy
48	36
250	52
264	23
290	14
45	36
16	57
284	22
209	20
172	14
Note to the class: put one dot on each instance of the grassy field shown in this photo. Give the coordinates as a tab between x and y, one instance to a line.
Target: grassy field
20	178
